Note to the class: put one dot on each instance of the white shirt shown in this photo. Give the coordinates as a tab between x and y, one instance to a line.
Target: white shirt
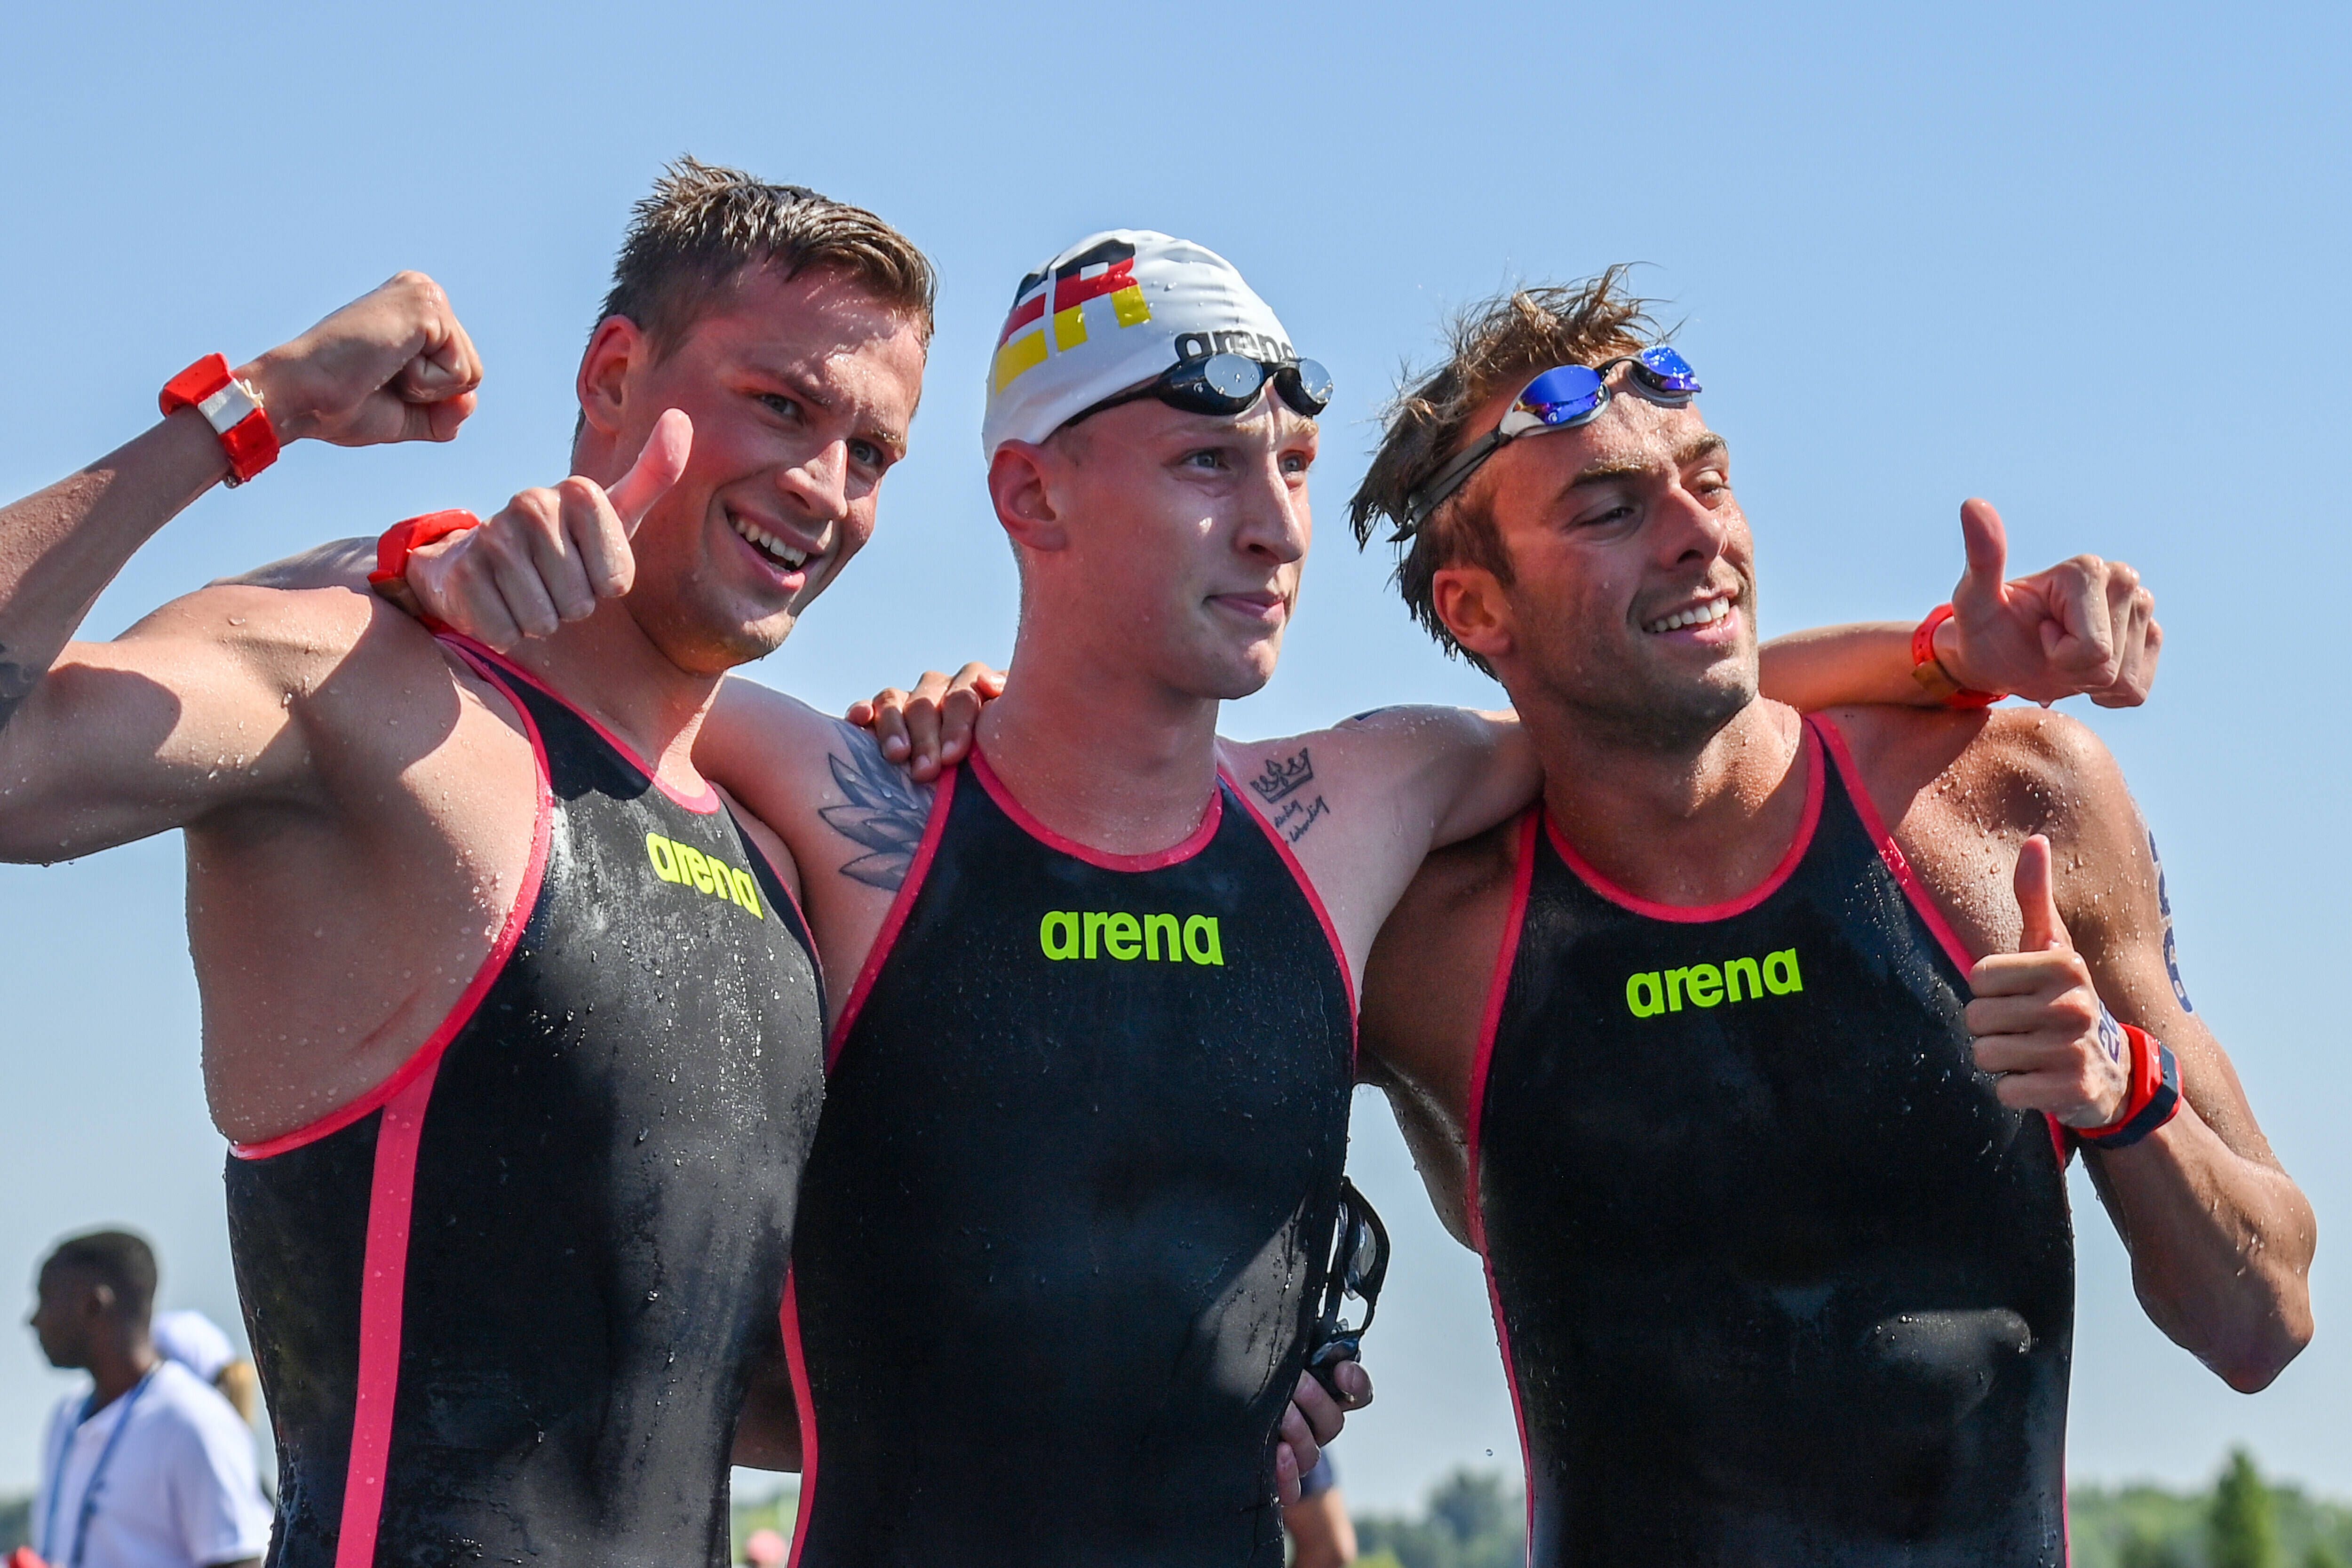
179	1490
192	1339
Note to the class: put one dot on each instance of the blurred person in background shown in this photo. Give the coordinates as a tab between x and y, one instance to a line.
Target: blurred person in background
1321	1533
149	1467
203	1346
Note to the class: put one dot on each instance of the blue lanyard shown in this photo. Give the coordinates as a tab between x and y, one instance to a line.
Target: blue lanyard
96	1474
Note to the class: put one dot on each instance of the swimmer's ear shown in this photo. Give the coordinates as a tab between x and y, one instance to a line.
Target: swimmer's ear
1020	481
1469	600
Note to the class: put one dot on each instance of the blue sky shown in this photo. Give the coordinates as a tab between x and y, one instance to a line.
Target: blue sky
2085	261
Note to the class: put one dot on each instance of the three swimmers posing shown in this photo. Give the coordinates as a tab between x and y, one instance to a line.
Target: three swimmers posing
1115	769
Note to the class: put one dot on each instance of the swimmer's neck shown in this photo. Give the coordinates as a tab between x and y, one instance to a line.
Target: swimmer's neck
1692	821
1097	749
607	667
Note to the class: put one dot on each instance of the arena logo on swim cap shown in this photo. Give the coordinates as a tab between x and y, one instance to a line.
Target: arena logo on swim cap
1710	986
1248	345
1104	271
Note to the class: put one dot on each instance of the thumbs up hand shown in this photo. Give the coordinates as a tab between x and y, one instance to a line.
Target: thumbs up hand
2039	1026
552	553
2084	626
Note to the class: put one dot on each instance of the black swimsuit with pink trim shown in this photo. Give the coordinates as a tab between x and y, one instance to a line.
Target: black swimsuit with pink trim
506	1308
1779	1279
1060	1241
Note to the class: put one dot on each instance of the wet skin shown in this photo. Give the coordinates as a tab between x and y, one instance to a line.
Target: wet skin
1680	786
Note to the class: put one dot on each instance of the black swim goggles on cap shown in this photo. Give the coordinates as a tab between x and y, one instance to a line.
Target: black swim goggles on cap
1226	383
1358	1265
1560	399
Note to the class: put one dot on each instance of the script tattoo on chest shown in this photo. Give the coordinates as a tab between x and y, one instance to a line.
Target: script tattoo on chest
883	812
1284	785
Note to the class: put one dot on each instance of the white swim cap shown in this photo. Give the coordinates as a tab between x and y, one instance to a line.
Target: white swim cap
1113	310
195	1341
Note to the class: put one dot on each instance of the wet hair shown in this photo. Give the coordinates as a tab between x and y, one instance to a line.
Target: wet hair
1491	346
115	1258
702	225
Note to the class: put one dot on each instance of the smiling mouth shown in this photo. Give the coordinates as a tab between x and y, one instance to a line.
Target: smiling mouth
778	553
1700	615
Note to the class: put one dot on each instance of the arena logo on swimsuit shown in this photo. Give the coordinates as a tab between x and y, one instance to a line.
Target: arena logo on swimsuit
705	873
1708	985
1089	933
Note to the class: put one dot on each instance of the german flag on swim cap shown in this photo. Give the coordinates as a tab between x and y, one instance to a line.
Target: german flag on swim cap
1110	312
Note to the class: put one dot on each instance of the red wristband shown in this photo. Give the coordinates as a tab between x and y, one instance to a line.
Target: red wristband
233	408
2154	1100
1929	671
410	533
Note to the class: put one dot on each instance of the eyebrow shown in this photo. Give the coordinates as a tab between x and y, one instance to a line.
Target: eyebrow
805	387
1706	445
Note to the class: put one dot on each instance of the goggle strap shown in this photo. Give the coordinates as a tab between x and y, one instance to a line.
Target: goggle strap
1425	503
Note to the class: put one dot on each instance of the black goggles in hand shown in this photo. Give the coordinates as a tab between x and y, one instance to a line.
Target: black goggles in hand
1358	1265
1561	398
1227	383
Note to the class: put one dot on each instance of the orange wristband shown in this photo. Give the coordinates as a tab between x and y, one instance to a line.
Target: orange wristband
410	533
232	409
1929	671
2154	1098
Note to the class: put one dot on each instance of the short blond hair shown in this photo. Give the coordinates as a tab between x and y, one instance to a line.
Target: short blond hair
702	225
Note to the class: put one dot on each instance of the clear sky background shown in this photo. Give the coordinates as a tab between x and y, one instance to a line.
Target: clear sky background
2086	260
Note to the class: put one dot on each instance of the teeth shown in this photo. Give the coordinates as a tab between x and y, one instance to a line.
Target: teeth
768	544
1698	615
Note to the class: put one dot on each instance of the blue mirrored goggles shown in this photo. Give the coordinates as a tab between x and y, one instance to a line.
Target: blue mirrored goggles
1560	399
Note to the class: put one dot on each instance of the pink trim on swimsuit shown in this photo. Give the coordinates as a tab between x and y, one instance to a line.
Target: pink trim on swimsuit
423	1061
1691	914
404	1099
1315	900
1175	854
1891	854
701	805
901	905
1506	957
383	1295
804	1404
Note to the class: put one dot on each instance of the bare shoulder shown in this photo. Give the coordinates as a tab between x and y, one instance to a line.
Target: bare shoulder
1375	778
1961	793
2014	771
1385	741
821	783
338	563
298	635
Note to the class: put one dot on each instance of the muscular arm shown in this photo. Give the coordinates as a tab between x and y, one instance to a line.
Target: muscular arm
101	744
2221	1238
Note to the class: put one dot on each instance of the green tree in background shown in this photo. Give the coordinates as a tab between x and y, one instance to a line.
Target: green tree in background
2243	1526
1471	1521
2142	1550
